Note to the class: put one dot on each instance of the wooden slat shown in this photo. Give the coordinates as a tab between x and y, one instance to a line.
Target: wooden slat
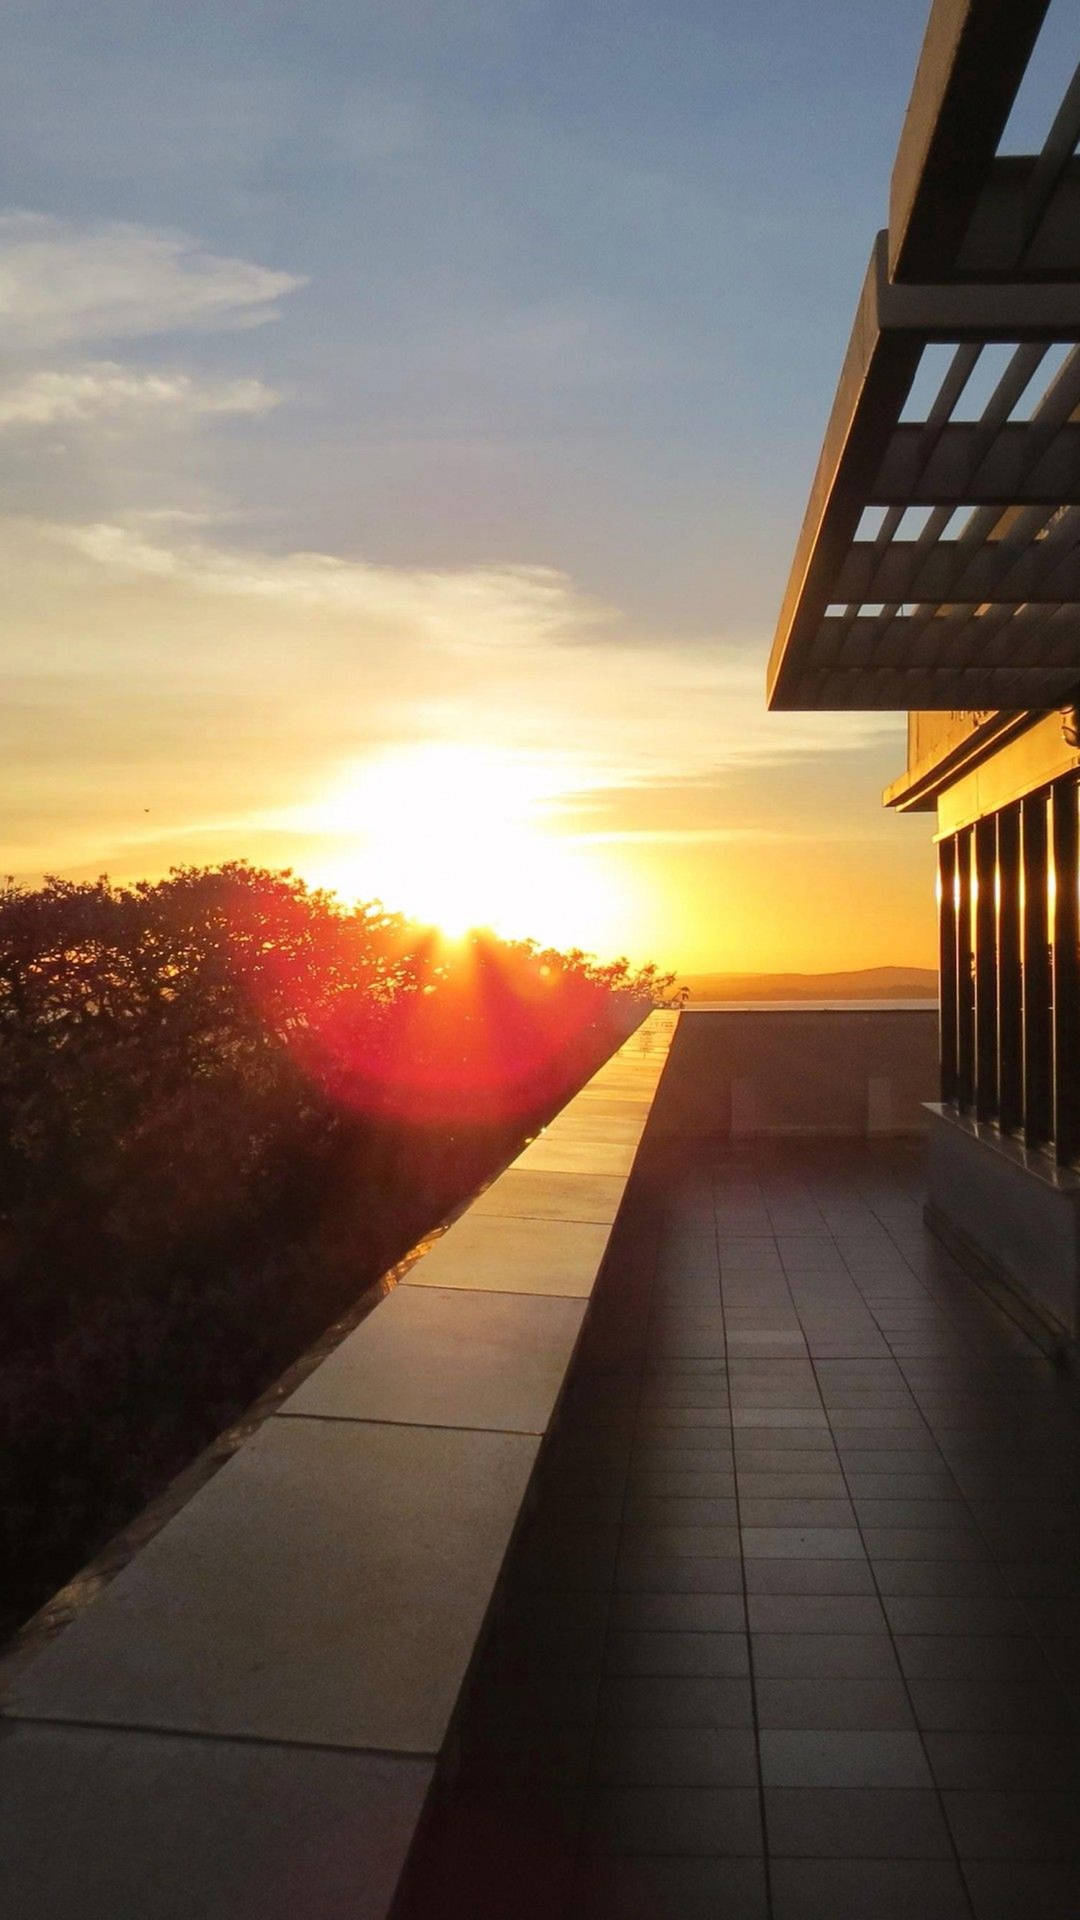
958	573
959	473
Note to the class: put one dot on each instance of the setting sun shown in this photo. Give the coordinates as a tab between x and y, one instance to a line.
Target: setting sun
464	837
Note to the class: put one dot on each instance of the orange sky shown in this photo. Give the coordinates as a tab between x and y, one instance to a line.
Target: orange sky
406	424
486	743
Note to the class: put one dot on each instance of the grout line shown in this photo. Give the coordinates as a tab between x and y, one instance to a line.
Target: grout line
504	1293
766	1855
410	1426
214	1735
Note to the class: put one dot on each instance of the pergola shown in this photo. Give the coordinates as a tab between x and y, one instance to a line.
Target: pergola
966	594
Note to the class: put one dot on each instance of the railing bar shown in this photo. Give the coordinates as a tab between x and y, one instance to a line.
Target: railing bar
1036	970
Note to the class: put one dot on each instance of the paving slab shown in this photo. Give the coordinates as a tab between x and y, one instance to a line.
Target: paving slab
327	1586
524	1195
551	1153
515	1256
449	1357
240	1830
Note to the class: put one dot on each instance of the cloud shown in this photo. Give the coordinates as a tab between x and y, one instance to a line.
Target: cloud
508	653
462	610
152	663
61	281
107	392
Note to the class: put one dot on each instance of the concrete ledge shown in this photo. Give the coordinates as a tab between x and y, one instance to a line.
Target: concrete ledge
114	1826
1012	1212
246	1720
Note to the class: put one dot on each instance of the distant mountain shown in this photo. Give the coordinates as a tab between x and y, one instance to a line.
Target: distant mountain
865	983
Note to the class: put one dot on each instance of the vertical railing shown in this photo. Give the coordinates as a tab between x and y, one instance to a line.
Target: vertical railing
1038	1121
965	984
1066	970
948	891
1009	931
1010	972
984	966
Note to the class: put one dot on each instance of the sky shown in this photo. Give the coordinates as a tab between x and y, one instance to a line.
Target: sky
406	419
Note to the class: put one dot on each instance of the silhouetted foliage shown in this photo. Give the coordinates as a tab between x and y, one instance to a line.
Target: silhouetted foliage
227	1104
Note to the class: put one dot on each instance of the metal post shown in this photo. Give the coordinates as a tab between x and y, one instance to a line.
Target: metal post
984	929
1010	1020
965	985
1066	963
1038	1115
947	966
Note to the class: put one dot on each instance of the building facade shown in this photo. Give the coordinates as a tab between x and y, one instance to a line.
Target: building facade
938	571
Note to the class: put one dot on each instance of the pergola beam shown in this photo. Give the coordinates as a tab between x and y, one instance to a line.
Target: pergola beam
973	59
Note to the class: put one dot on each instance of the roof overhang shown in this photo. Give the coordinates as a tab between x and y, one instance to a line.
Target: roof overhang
978	604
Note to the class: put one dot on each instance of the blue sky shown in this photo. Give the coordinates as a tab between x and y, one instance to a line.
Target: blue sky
435	369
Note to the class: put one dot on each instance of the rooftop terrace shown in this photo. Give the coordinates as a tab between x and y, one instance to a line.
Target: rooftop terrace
787	1628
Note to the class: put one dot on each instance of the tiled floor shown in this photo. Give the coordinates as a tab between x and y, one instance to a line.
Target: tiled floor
794	1628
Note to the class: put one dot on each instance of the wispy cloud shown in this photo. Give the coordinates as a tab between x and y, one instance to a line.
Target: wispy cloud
105	391
62	281
463	610
174	694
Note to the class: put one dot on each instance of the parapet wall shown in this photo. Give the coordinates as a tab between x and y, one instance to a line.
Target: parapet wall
847	1068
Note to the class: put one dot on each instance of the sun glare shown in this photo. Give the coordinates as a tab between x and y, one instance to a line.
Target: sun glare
463	837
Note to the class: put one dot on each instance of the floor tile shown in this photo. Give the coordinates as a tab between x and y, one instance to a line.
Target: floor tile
868	1890
1016	1760
969	1614
945	1579
678	1510
677	1653
924	1543
815	1613
801	1757
884	1822
809	1576
1023	1890
802	1543
833	1702
665	1573
679	1612
791	1486
793	1512
1015	1825
651	1701
691	1542
684	1820
945	1656
674	1757
988	1705
643	1888
787	1656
